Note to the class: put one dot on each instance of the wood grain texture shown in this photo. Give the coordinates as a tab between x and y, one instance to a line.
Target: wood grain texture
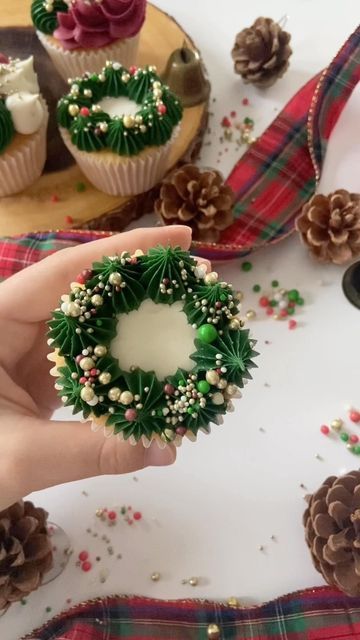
33	210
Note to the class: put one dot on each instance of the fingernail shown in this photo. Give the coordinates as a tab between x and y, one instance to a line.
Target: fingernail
156	457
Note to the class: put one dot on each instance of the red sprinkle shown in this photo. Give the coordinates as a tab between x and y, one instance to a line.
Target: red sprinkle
79	358
233	114
225	122
83	555
292	324
169	389
181	431
291	304
86	566
264	301
325	429
161	109
269	311
245	102
93	372
112	515
84	111
283	313
354	438
69	220
132	70
137	515
83	380
354	416
4	59
54	198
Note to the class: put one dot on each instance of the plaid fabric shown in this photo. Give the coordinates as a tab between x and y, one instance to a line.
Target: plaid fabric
314	614
21	251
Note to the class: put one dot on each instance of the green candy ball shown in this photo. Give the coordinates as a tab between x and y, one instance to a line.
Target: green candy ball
203	386
207	333
293	295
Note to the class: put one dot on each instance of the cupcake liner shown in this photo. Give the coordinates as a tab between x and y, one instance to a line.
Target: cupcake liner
119	175
98	423
71	64
23	163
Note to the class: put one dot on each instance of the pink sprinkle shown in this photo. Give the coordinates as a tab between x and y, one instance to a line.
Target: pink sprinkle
83	380
269	311
86	566
354	416
354	438
181	431
292	324
4	59
325	429
112	515
225	122
245	102
83	555
233	114
137	515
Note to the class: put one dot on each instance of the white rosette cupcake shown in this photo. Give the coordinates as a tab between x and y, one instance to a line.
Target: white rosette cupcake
138	356
120	126
23	126
81	35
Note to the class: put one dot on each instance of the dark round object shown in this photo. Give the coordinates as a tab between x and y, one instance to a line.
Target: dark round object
351	284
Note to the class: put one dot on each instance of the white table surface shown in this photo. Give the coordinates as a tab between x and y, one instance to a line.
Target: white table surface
228	494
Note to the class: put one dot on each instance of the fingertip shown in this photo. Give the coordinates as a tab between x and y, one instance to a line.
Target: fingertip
177	234
156	457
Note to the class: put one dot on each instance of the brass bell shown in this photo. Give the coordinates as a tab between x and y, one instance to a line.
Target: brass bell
185	74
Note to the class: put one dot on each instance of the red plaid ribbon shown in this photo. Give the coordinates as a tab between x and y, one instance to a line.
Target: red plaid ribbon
314	614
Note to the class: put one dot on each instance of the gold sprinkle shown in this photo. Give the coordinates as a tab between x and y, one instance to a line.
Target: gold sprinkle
233	602
155	577
213	632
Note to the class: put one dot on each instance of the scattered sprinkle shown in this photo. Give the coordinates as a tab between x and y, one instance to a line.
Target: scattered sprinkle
245	102
80	187
246	266
292	324
325	429
69	220
54	198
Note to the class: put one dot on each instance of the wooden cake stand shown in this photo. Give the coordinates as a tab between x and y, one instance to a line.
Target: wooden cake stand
62	197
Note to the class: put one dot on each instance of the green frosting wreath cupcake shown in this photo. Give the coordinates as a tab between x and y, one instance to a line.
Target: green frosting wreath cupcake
120	126
150	346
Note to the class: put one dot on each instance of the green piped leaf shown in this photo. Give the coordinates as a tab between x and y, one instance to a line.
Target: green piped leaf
212	295
237	352
127	298
172	265
63	332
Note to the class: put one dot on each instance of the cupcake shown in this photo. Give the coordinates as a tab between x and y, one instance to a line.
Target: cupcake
150	347
81	35
23	125
120	126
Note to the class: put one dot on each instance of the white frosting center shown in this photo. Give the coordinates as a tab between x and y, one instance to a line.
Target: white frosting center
121	106
155	337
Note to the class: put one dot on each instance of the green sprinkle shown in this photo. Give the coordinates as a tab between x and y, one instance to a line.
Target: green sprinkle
223	297
159	413
80	187
344	437
99	323
48	609
246	266
293	295
248	121
123	511
275	283
256	288
182	383
300	301
23	601
190	410
291	311
356	449
273	303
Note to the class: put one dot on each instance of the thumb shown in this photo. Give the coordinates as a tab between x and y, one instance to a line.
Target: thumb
55	452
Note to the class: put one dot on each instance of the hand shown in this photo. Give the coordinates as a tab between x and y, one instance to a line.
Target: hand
35	451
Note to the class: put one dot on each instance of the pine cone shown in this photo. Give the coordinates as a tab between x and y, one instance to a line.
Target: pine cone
197	198
330	226
25	551
332	531
261	52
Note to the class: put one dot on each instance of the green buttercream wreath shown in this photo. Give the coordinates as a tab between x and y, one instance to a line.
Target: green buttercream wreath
136	403
44	14
92	129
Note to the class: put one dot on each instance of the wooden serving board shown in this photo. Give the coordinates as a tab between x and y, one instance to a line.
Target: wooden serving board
34	209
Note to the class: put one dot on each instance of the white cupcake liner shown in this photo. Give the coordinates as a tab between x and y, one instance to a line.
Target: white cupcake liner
22	166
119	175
71	64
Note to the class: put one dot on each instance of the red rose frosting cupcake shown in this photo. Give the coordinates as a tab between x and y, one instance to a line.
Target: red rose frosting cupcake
80	35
